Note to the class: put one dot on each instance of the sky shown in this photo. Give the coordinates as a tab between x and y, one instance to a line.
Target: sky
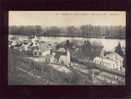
67	18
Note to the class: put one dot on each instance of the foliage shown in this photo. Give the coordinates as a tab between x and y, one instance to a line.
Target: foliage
118	50
115	32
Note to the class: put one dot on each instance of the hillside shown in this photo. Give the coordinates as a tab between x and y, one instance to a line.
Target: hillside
23	71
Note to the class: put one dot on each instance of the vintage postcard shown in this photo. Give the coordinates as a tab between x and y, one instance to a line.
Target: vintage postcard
67	48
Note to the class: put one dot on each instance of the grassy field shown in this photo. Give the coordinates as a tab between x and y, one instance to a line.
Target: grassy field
22	71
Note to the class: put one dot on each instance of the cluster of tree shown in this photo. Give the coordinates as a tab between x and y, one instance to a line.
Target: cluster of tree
90	50
85	50
116	32
25	30
119	50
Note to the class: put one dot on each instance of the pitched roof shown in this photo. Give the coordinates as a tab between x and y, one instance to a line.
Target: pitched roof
114	56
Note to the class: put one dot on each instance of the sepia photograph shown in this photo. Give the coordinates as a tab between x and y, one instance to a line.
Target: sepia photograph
67	48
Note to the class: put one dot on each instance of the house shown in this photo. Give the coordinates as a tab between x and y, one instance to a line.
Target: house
13	43
35	39
65	59
115	57
61	56
33	43
111	60
46	52
105	62
36	52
